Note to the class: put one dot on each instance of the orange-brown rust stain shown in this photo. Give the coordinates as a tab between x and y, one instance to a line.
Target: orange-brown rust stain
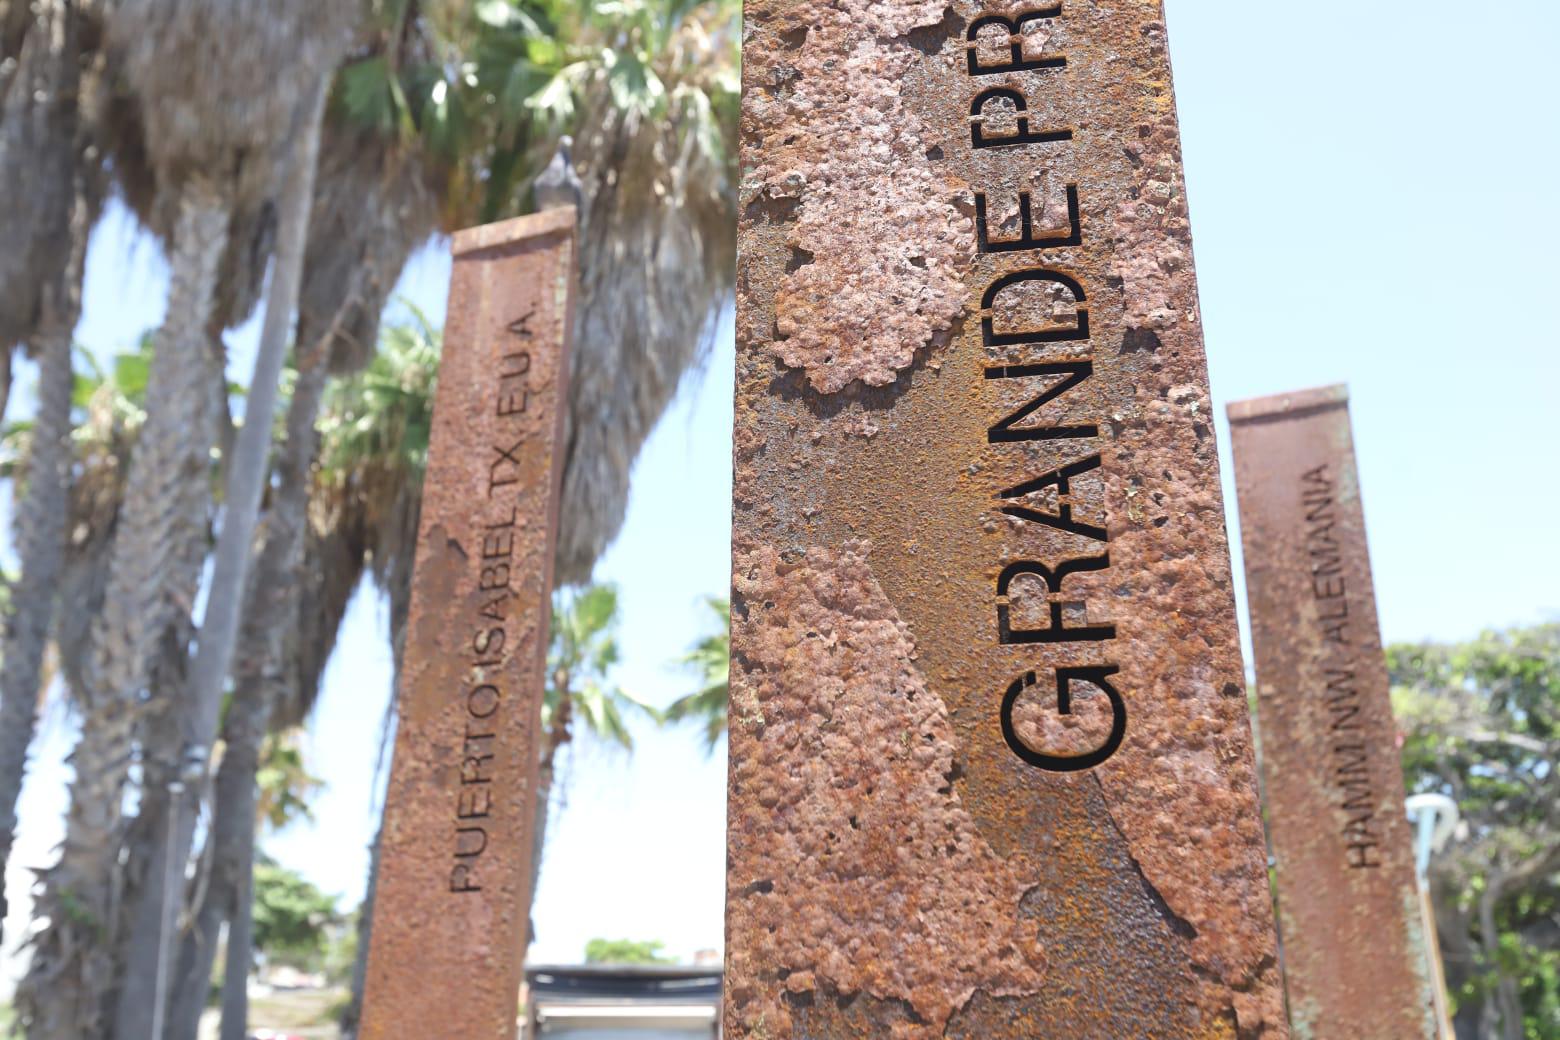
1145	880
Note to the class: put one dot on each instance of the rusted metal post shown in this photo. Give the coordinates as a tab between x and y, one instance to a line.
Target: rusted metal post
450	914
1355	951
991	768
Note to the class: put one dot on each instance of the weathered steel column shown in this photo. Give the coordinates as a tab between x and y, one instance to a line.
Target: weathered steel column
991	770
450	911
1354	946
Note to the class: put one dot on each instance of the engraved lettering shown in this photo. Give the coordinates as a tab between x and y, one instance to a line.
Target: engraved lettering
1052	334
1000	116
1021	133
474	802
521	326
1350	759
1065	677
1073	373
461	880
1058	632
1071	235
1062	519
482	701
1015	33
470	841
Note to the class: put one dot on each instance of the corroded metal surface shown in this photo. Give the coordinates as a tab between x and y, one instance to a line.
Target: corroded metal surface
453	893
1354	950
991	764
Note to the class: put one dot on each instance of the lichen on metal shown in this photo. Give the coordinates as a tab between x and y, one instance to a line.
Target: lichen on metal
991	765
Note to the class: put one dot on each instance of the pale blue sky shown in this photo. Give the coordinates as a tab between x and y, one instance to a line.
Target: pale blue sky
1374	201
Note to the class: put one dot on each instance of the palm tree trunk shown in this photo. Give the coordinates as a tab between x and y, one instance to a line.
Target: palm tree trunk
538	841
274	600
5	381
260	671
149	963
152	578
240	955
40	537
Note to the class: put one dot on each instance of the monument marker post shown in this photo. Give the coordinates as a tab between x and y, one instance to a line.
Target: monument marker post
991	767
1355	953
453	893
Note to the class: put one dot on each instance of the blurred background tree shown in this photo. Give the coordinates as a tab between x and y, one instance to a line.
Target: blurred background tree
1481	723
625	951
294	920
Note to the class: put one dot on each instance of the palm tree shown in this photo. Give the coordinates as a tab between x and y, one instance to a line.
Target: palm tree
210	127
710	659
649	90
41	160
40	300
670	132
371	206
151	934
302	584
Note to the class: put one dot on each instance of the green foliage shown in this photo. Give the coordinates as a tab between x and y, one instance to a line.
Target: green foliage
1482	724
625	951
292	918
582	650
483	90
341	950
379	420
108	403
710	661
283	781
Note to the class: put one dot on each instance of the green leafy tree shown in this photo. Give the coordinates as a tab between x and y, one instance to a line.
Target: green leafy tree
625	951
283	783
293	919
710	661
1482	725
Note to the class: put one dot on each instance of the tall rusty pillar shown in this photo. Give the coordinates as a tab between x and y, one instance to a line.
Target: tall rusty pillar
991	766
450	912
1355	953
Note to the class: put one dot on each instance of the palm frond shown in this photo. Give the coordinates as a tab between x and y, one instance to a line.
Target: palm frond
710	660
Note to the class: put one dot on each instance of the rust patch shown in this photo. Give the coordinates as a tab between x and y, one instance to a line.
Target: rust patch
845	787
843	152
454	877
1355	960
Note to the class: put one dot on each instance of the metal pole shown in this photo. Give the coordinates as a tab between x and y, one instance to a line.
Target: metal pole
1436	816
